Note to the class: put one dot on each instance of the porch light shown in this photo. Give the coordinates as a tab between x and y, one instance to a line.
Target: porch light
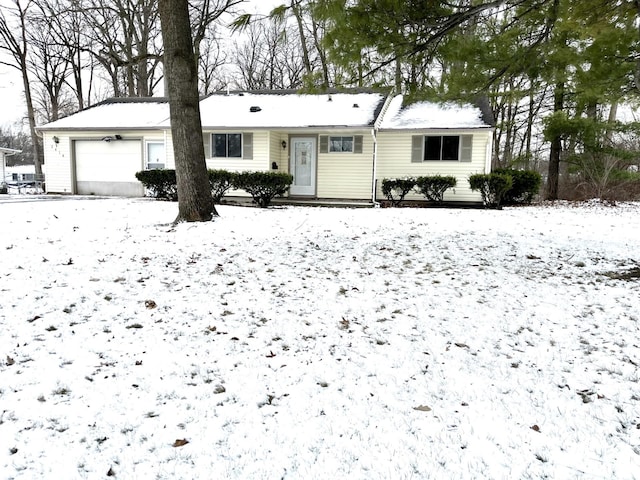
284	145
56	139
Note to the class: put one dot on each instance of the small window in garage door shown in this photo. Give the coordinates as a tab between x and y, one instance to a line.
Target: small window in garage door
155	155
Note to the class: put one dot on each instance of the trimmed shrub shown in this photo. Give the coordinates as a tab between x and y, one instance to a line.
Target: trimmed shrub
221	182
526	185
492	187
433	187
395	189
264	186
161	183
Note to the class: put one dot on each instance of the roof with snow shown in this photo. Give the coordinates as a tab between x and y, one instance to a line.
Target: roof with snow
10	151
431	115
279	109
288	109
116	113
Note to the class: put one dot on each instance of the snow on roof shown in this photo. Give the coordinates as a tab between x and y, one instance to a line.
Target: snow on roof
425	115
9	151
117	113
290	110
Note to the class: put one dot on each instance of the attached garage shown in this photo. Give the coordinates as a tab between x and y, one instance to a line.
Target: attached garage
108	166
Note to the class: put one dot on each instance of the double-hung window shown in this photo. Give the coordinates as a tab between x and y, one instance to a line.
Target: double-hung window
341	144
441	148
227	145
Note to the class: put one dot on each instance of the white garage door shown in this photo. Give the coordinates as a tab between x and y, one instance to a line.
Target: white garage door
108	168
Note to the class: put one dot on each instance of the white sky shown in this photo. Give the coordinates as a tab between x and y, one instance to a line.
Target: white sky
12	107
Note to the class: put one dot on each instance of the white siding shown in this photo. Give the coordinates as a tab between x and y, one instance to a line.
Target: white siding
394	161
346	175
259	162
60	157
58	163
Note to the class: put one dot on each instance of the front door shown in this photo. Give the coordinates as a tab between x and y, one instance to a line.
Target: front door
303	166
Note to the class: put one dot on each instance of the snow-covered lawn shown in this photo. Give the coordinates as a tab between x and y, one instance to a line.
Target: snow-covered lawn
318	343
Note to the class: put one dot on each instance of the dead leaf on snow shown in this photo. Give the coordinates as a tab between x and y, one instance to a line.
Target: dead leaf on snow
180	442
150	304
111	473
535	428
10	361
422	408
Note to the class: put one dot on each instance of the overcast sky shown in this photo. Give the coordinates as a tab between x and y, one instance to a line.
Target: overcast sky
12	105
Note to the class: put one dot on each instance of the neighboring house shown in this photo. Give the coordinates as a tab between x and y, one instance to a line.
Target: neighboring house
5	152
337	145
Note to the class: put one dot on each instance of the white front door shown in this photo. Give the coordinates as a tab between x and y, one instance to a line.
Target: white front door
303	165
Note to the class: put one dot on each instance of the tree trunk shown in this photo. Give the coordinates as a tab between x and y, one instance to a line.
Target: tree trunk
195	203
556	147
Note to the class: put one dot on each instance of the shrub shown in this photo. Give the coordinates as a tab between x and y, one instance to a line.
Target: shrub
395	189
526	185
221	182
492	187
161	183
264	186
433	187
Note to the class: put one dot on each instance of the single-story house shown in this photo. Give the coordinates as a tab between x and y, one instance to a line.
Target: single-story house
337	145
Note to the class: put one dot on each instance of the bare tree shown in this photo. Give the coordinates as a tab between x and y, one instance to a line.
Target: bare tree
14	41
195	203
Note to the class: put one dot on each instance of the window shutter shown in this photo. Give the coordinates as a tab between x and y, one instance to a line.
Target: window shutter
247	146
324	144
466	141
357	144
206	140
417	142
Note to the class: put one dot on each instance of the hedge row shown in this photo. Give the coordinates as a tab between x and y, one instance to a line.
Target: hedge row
431	187
503	186
262	186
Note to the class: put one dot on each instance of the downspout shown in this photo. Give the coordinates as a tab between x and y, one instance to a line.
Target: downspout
375	167
374	135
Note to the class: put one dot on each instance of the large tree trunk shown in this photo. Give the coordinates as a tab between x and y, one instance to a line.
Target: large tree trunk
195	203
556	147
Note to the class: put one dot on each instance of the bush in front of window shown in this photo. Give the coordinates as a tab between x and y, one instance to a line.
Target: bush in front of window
221	182
492	187
526	185
264	186
434	186
395	189
160	183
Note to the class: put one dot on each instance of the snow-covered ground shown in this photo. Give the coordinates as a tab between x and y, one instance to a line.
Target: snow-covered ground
318	343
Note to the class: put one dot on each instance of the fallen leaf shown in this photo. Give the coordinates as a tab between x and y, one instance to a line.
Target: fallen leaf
111	473
535	428
271	354
180	442
150	304
10	361
422	408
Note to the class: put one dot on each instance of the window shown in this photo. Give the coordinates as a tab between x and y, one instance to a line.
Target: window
155	155
435	148
441	148
341	144
227	145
